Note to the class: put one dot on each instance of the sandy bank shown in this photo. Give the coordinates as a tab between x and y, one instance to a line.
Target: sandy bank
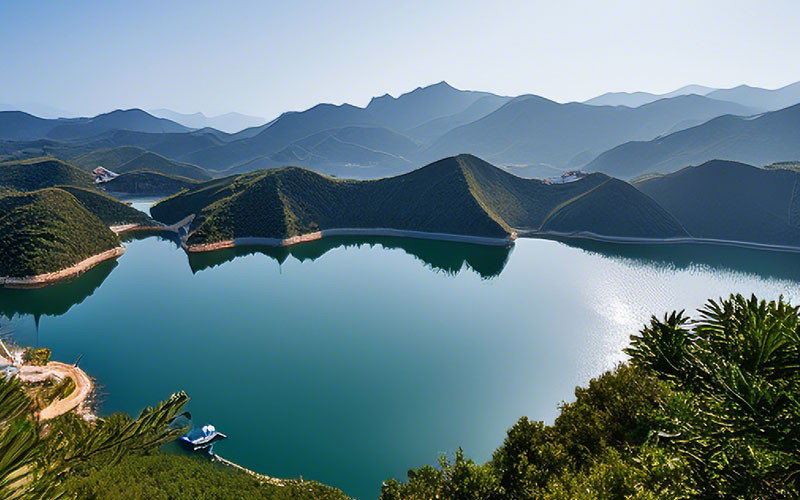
60	371
40	280
629	240
294	240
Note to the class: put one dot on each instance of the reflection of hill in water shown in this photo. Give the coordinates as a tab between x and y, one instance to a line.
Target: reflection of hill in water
762	263
54	300
447	256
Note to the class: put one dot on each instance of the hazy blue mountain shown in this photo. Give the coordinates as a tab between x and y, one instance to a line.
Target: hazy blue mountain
363	146
732	201
636	99
433	129
532	130
285	130
228	122
422	105
19	126
767	100
38	109
134	120
759	140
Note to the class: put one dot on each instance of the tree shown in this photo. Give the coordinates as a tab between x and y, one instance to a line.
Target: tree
35	459
736	373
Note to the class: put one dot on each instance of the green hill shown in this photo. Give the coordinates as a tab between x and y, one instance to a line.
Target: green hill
460	195
129	158
46	231
38	173
732	201
614	208
148	183
110	210
110	158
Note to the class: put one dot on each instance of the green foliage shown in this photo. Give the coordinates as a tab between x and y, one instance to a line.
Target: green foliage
36	357
110	210
462	479
738	423
176	477
706	409
46	231
731	201
38	173
35	460
130	158
459	195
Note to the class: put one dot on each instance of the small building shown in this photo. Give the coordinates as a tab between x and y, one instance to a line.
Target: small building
102	174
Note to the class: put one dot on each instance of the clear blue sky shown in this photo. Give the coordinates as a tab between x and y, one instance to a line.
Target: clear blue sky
264	57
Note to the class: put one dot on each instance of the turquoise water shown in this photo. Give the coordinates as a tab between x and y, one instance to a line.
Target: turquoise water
351	360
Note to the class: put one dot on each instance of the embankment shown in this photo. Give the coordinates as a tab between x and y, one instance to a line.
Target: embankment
294	240
627	240
81	267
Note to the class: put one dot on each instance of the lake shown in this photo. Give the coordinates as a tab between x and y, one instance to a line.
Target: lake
351	360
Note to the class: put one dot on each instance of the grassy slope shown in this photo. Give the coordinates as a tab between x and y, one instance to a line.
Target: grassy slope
730	200
48	230
38	173
145	182
130	158
614	208
458	195
179	477
110	210
292	201
110	158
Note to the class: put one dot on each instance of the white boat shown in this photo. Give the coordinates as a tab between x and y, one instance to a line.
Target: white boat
201	437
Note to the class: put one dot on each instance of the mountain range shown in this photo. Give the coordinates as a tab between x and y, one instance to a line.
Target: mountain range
460	195
635	99
760	140
528	135
53	216
229	122
758	99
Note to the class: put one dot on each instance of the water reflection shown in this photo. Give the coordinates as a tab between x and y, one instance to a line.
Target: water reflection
56	299
441	256
762	263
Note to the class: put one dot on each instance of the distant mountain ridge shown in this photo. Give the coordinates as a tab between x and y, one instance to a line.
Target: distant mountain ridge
758	98
767	138
531	129
528	134
16	125
230	123
636	99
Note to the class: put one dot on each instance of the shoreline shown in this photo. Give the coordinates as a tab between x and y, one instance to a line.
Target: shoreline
317	235
44	279
633	240
59	371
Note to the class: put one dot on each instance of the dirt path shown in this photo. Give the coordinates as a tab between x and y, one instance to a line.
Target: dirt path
60	371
